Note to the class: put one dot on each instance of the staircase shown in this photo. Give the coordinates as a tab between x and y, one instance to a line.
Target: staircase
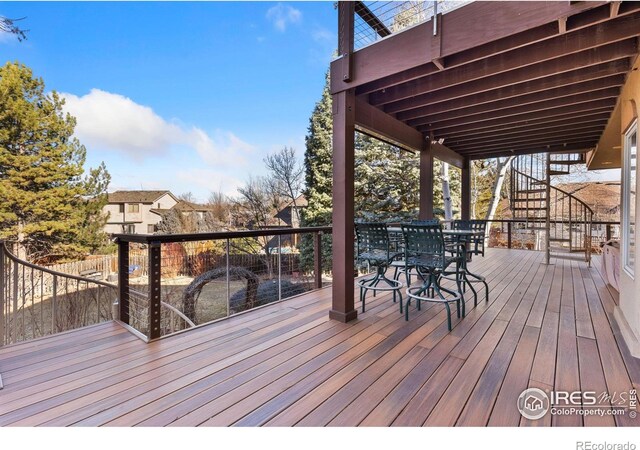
560	221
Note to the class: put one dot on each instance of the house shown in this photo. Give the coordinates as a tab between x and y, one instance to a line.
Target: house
136	212
287	213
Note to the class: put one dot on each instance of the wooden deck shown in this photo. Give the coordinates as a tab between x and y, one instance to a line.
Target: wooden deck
288	364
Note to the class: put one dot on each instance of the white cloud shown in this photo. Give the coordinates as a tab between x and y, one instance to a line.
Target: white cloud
109	121
282	15
320	34
211	180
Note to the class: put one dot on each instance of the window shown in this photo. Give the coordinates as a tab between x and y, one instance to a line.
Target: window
121	208
133	208
629	173
151	228
130	229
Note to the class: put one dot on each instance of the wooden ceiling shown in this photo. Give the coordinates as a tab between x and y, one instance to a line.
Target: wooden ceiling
551	87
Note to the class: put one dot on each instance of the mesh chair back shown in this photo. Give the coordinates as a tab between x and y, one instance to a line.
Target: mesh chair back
425	222
473	225
372	238
423	239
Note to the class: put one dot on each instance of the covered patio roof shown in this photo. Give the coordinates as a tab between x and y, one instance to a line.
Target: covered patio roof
483	80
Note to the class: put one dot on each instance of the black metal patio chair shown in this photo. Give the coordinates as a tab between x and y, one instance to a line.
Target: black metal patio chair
472	245
425	250
399	265
373	248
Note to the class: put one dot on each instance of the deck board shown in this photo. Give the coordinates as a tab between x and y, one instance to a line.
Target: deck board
287	364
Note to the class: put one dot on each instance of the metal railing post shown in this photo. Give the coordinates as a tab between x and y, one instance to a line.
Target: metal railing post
228	280
123	281
54	303
317	259
155	289
279	267
508	234
608	232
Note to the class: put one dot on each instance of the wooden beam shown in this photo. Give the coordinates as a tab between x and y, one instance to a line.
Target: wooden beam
614	8
445	154
564	111
562	25
380	125
613	31
541	146
529	141
465	201
611	52
343	207
543	131
346	29
586	117
426	181
511	96
531	151
371	19
470	26
477	89
513	112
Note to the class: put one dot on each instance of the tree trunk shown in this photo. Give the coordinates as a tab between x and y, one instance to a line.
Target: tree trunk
501	170
446	192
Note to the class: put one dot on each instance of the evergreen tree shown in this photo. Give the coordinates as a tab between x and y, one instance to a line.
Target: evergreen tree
318	178
386	181
45	203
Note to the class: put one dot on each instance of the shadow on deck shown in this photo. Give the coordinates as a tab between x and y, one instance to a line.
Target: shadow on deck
287	364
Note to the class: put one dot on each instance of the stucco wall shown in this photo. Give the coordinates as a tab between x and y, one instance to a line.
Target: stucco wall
140	220
629	307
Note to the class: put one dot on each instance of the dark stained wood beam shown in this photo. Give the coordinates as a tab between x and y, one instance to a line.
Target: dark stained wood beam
585	142
615	30
342	308
499	154
611	52
582	118
371	19
426	181
473	140
346	27
614	8
550	115
480	90
514	95
376	123
465	197
513	112
467	27
525	140
445	154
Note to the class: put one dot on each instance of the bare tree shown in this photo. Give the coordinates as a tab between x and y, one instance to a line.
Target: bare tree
8	25
287	176
501	170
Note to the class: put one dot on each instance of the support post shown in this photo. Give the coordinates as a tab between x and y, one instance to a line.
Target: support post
155	286
346	27
509	230
317	259
426	181
608	232
123	281
343	208
465	206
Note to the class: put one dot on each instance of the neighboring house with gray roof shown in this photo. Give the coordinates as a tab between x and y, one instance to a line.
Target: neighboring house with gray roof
137	211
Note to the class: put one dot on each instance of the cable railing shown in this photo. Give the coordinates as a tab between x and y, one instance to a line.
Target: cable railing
205	277
378	19
36	301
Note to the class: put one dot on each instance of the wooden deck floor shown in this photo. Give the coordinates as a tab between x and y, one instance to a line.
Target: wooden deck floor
287	364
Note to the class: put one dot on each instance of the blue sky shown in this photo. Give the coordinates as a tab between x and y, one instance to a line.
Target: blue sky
182	96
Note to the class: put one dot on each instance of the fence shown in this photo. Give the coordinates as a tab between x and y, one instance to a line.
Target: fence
209	276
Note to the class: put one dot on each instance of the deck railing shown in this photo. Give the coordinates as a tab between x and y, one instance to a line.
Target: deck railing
36	301
205	277
517	233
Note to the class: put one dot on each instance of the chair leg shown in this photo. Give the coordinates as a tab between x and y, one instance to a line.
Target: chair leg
448	308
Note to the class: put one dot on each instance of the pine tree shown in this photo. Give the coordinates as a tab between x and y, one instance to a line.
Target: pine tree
45	203
318	178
